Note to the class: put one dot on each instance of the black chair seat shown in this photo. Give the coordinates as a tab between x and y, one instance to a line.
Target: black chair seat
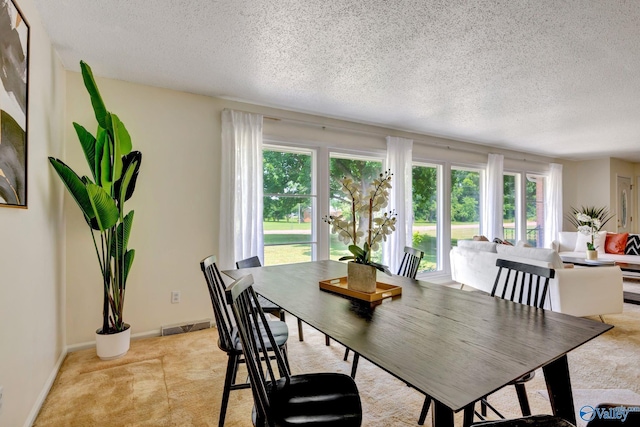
278	329
531	421
322	399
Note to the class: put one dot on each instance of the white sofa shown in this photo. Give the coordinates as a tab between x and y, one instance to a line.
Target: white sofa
566	245
588	291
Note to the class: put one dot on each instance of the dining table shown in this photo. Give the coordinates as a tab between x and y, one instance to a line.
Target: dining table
454	345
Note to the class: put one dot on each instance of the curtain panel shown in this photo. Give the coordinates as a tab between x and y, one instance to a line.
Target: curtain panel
493	198
400	162
553	204
241	192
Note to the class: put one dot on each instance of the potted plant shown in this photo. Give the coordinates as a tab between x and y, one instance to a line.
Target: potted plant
589	221
368	222
101	198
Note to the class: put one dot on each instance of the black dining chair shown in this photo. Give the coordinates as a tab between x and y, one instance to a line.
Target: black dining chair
282	399
525	284
408	268
228	340
267	305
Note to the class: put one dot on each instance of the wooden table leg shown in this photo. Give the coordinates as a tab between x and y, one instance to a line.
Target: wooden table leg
442	415
556	374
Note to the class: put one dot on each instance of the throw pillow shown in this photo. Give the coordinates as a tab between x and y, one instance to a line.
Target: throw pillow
616	243
523	244
480	239
633	245
502	242
598	242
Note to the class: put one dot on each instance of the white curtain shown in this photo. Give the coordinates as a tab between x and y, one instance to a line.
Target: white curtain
399	160
553	204
241	188
493	198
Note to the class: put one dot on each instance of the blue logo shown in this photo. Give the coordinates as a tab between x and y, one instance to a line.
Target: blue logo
587	413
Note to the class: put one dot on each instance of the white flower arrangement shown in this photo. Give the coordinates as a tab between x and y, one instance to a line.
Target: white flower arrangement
588	226
364	207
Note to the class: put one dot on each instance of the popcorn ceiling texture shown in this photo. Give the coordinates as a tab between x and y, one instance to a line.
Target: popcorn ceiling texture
547	77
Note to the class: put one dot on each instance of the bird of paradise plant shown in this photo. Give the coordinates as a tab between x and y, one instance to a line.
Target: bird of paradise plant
114	168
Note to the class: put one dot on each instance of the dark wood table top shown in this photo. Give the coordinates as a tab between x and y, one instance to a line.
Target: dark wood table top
454	345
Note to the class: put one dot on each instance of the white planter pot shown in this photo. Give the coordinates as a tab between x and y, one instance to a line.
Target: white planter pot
361	277
113	346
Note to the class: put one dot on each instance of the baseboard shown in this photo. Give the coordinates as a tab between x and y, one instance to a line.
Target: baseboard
92	344
31	418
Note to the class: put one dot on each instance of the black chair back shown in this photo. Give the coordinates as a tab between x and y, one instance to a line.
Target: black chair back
410	262
254	261
216	288
250	317
523	283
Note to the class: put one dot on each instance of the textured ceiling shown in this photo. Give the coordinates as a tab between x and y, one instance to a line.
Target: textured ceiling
551	77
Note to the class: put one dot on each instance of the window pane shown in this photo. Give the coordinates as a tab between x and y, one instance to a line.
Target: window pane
465	204
286	173
288	213
425	215
360	170
535	211
509	223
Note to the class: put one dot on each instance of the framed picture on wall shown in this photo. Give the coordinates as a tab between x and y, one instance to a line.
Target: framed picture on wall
14	80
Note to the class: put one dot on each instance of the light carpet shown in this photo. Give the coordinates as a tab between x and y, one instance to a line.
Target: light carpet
177	380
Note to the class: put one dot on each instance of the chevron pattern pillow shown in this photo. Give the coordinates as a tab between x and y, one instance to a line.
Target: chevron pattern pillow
633	245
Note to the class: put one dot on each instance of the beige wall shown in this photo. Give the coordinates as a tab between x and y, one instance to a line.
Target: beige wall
32	246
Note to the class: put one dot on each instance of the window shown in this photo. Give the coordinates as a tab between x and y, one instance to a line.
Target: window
534	201
425	214
465	204
289	205
361	169
509	218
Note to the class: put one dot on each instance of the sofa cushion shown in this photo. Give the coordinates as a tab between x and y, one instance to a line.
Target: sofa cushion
548	256
616	243
479	245
598	241
633	245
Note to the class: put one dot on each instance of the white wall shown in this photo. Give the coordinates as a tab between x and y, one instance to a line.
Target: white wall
32	246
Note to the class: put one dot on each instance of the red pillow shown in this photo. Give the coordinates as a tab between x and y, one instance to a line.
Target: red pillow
616	243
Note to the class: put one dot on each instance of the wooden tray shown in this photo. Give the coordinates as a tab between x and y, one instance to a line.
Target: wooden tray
339	286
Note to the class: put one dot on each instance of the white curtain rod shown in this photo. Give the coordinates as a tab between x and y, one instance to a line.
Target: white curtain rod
384	135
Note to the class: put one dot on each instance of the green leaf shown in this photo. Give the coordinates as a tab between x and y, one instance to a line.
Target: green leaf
356	250
99	109
106	211
121	135
88	143
105	165
125	186
122	236
381	267
128	262
75	185
344	258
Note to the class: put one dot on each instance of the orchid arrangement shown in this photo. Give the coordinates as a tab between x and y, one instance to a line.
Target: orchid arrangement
368	220
588	221
590	227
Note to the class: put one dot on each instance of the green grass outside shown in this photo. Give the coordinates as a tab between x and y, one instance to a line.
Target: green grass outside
301	252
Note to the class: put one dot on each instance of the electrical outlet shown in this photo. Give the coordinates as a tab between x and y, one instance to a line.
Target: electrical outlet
175	297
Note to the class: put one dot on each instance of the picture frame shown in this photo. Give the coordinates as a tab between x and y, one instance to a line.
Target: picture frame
14	96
